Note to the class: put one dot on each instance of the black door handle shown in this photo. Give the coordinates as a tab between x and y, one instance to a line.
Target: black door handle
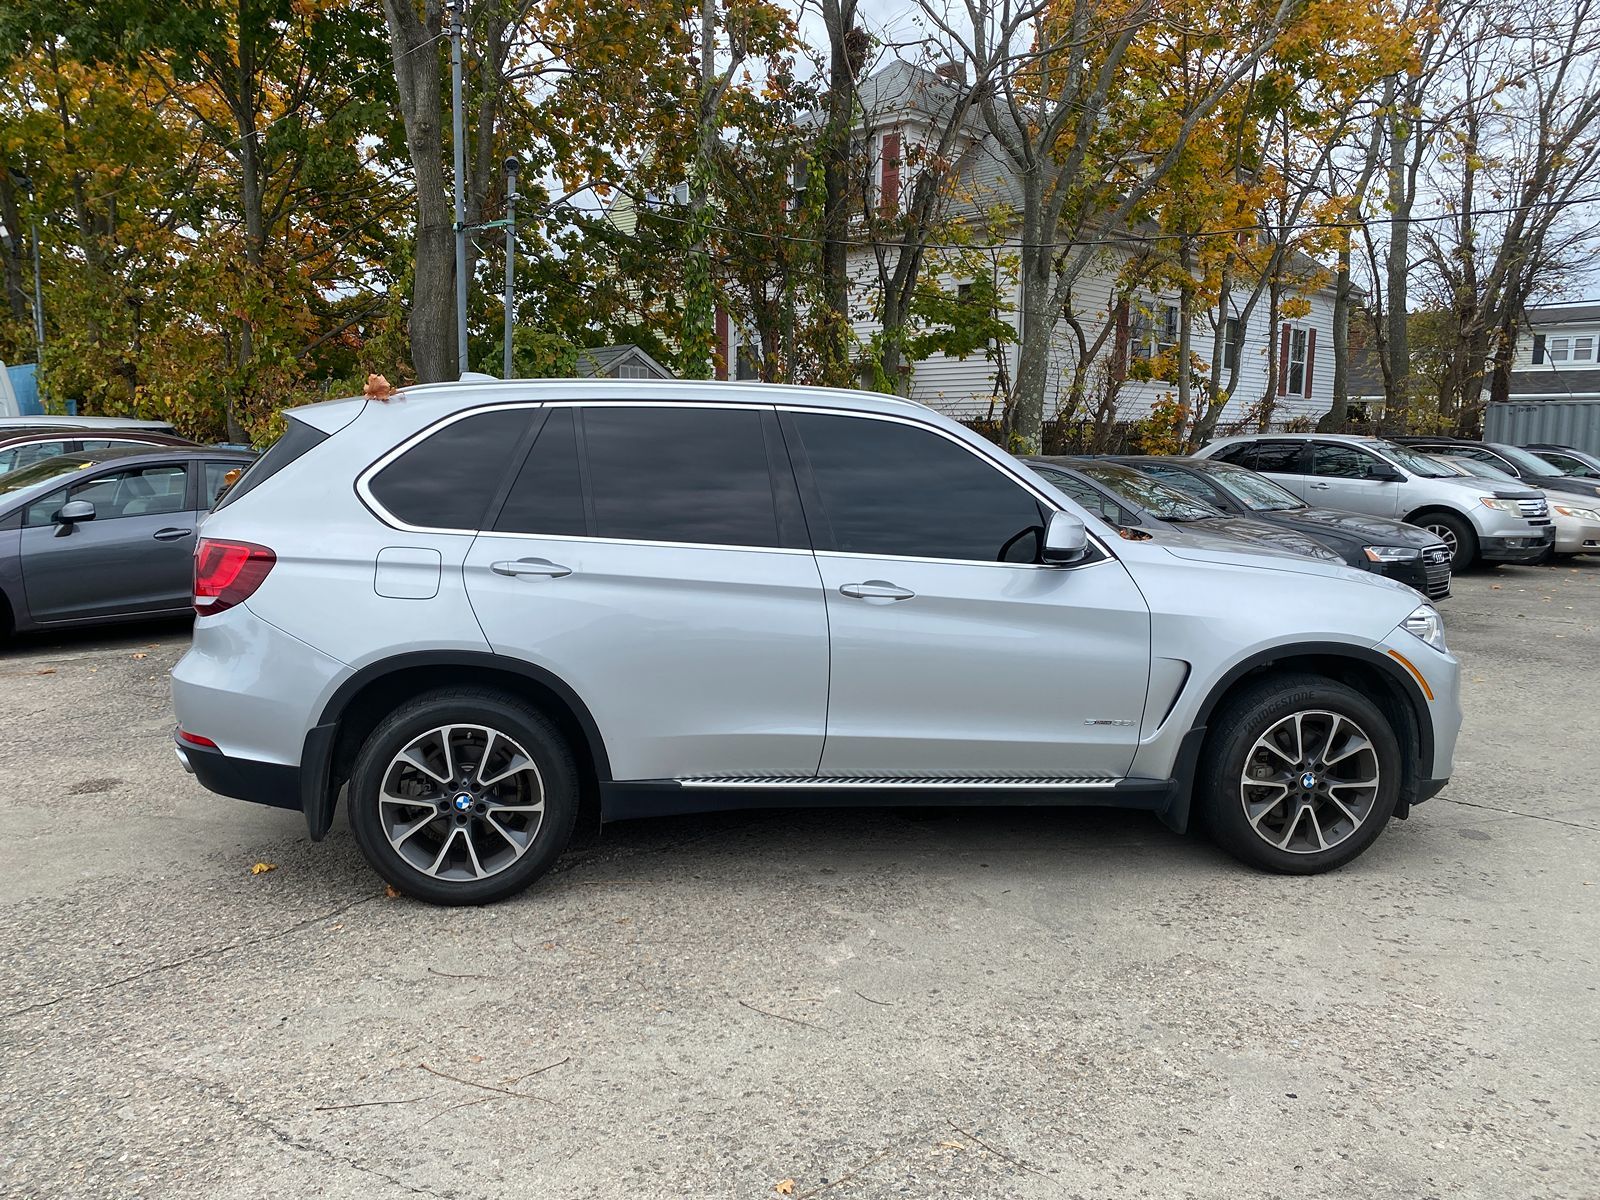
171	534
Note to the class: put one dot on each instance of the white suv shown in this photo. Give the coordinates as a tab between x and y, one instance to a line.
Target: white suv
493	614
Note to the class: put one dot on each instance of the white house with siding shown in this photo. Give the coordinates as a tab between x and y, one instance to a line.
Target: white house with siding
903	107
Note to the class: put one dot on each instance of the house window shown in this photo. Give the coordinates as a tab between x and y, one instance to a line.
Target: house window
1230	344
745	363
1167	338
963	293
1297	362
1570	349
634	371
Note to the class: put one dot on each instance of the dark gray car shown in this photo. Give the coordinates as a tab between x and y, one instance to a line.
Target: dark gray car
105	535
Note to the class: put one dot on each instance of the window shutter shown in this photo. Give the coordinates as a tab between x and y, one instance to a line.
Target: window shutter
1311	357
720	364
1119	348
889	196
1283	361
1538	349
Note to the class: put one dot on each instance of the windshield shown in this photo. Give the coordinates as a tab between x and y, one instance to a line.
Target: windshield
1530	464
1411	460
1156	498
1255	492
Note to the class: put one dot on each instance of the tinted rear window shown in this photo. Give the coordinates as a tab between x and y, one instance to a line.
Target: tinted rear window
296	439
449	479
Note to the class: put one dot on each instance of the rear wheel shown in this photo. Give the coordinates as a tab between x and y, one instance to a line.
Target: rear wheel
1456	533
1300	775
463	796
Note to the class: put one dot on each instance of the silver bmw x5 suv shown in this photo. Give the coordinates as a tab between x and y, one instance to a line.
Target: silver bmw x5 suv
493	615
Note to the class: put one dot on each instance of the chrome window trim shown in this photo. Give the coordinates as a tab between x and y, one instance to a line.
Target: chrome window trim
363	482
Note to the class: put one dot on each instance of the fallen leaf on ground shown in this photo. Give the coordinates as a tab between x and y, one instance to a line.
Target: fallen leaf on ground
784	1187
390	892
261	868
951	1146
139	654
45	671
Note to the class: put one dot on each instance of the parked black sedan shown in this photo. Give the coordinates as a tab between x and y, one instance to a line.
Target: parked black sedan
1129	499
1378	544
1513	460
105	535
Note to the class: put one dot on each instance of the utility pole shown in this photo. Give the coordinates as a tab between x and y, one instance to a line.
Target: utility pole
512	166
25	183
456	119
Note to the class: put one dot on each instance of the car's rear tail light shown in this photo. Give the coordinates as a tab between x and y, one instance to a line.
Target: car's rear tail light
196	739
227	573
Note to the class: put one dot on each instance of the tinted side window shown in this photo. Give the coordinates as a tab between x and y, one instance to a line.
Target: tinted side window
1277	458
26	455
547	496
680	474
1343	462
448	480
888	488
1241	453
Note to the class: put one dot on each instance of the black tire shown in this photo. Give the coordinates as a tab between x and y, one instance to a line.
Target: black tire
1223	797
1456	532
553	771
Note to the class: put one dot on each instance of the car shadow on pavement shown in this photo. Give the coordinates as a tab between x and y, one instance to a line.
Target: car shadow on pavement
97	637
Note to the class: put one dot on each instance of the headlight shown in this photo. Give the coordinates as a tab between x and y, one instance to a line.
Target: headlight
1426	624
1496	502
1582	514
1387	554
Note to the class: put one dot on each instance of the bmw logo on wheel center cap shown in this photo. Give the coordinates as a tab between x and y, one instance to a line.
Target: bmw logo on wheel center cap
463	801
1307	781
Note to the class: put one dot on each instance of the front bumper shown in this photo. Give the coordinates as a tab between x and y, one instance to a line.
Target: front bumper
241	778
1575	536
1531	546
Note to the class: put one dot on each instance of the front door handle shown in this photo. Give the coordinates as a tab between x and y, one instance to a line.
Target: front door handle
172	534
1321	487
876	589
531	566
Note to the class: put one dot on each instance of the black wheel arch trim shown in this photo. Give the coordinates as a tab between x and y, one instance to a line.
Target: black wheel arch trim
318	796
1176	815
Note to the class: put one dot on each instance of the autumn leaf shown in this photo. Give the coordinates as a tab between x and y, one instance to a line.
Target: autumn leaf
261	868
390	892
784	1187
139	654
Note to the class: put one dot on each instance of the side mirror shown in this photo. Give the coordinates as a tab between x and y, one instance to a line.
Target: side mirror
72	512
1384	473
1066	540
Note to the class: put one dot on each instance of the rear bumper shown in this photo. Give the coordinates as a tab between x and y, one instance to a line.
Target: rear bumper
1518	548
249	779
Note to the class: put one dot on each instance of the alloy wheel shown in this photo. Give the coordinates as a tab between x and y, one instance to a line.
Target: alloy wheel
1310	781
1446	535
461	802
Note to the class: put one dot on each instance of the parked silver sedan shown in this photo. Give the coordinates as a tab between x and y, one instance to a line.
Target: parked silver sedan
1577	521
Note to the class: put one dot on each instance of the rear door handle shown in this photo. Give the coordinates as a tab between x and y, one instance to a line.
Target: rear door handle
1319	486
531	566
171	534
877	589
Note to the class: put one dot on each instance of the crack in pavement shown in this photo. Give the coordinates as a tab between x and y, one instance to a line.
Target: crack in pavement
213	952
1511	812
283	1137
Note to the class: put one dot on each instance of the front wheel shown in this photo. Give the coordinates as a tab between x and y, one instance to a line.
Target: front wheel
1300	775
1456	533
463	796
